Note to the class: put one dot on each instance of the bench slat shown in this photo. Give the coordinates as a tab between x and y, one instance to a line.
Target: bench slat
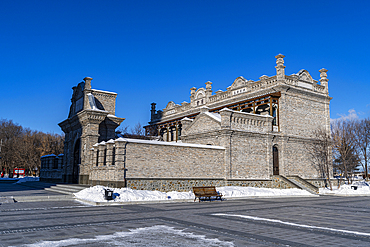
206	192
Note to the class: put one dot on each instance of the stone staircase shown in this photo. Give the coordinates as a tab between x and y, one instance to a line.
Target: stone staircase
303	184
67	189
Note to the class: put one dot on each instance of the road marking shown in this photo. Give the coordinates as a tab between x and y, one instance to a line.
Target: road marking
293	224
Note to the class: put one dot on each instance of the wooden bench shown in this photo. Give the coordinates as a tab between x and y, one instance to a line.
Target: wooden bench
206	192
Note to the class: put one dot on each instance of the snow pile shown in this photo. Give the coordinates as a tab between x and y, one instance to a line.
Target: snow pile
363	188
28	179
236	191
96	193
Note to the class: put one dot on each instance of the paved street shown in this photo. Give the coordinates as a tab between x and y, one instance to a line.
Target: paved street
314	221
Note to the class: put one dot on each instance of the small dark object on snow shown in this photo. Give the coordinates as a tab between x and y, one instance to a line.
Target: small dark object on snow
108	194
354	187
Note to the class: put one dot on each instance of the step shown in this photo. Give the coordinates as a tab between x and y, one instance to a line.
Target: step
73	190
73	186
303	187
61	191
304	183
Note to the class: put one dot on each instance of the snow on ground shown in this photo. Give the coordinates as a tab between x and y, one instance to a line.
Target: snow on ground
28	179
21	180
158	235
237	191
363	188
96	193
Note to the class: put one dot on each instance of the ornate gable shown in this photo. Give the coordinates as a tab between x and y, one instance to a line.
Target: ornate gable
203	123
201	93
303	75
239	82
170	105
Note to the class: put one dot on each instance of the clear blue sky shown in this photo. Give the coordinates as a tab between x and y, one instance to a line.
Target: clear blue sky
155	51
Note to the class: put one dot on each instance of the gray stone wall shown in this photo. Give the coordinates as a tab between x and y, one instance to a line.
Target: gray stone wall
250	156
302	112
147	159
296	161
106	99
187	184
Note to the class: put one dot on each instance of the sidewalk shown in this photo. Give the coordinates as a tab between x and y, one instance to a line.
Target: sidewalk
28	192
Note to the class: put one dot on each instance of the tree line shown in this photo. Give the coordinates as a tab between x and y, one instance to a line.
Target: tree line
22	147
345	148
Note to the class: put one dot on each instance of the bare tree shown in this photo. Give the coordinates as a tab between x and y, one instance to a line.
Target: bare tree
319	150
362	141
345	155
23	147
137	132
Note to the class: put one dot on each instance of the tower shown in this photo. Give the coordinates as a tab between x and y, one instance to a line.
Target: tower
91	120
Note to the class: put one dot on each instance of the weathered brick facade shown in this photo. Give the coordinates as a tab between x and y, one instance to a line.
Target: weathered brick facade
242	136
91	119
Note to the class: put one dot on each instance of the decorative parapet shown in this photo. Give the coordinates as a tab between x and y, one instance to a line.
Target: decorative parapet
242	87
243	121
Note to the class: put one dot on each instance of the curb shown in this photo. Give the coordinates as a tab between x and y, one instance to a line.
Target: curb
43	198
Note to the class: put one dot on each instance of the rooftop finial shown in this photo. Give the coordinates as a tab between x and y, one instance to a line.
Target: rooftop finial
280	68
323	79
88	83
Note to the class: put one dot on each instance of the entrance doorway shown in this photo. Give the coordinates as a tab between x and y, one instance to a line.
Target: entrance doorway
275	165
76	162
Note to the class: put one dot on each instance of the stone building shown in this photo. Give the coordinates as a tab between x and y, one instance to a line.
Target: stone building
246	135
91	120
253	134
52	168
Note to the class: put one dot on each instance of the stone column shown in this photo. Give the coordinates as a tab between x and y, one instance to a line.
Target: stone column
185	122
167	133
323	79
280	68
120	152
192	94
102	157
208	90
225	118
87	90
120	166
225	140
109	152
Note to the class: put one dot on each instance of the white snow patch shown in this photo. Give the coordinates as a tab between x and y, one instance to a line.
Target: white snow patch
27	179
215	116
363	188
237	191
168	143
96	193
159	235
102	91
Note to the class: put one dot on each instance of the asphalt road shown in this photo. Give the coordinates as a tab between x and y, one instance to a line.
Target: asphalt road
313	221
